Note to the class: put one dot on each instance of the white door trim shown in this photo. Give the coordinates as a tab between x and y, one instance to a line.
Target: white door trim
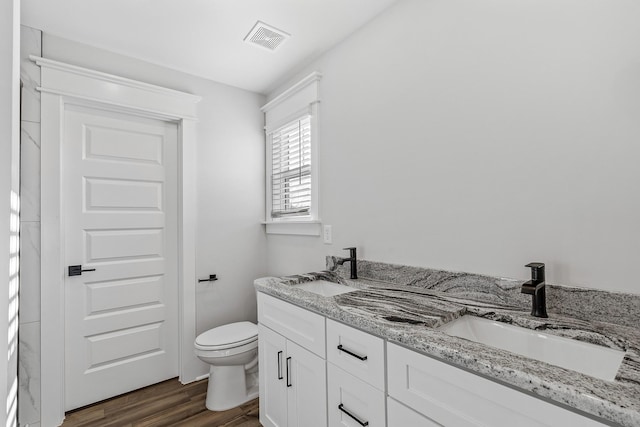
64	84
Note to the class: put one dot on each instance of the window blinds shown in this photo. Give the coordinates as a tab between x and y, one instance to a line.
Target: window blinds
291	169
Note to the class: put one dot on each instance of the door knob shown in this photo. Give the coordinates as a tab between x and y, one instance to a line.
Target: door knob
76	270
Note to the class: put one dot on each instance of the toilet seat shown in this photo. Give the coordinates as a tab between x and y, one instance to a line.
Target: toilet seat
229	336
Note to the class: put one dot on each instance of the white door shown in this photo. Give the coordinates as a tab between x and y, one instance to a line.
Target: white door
120	199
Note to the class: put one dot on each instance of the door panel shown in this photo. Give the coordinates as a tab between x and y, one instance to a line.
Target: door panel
307	394
113	295
109	194
112	143
120	196
103	245
273	389
120	346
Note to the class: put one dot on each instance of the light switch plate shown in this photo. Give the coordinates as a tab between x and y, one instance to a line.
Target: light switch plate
327	234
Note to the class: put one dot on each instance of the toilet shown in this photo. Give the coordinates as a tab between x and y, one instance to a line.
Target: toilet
232	353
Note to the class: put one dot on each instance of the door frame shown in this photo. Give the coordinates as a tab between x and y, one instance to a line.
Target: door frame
61	85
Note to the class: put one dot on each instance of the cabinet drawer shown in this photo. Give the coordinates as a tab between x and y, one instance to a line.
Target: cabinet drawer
297	324
352	402
361	354
453	397
401	416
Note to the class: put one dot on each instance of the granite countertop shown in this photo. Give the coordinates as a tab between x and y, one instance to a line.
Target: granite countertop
405	305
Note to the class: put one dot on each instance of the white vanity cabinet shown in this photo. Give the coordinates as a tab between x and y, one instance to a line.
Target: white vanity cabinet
291	346
452	397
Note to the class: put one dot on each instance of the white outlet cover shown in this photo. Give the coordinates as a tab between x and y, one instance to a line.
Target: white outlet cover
327	234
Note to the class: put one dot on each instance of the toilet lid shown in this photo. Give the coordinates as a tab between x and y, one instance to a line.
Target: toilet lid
231	335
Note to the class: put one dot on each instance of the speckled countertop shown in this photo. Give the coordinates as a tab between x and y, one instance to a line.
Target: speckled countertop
405	305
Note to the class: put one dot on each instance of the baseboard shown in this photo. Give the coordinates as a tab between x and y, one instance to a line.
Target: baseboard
201	377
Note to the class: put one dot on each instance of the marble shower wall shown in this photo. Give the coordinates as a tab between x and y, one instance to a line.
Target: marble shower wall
29	334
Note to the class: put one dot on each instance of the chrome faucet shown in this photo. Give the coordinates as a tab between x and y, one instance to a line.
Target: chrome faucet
352	260
536	288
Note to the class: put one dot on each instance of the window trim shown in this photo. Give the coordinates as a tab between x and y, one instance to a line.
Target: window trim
300	100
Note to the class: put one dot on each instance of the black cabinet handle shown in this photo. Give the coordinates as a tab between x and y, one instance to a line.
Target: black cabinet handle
362	423
279	365
350	353
288	372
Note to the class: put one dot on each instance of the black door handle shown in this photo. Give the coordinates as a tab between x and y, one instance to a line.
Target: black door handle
288	372
76	270
212	278
279	365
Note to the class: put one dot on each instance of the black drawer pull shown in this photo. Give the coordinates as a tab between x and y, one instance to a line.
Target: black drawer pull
288	372
280	365
357	356
362	423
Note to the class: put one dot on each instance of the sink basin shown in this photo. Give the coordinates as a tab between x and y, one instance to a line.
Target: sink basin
590	359
325	289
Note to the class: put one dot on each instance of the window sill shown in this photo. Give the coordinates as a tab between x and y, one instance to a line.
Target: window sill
299	228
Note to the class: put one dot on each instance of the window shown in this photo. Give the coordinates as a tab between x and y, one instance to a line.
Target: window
291	169
292	143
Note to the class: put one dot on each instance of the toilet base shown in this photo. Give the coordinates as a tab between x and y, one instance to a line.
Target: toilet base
230	386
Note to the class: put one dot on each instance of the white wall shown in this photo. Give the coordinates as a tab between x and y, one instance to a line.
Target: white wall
231	242
9	190
480	135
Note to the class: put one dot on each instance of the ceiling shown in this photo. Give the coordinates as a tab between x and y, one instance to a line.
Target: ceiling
205	37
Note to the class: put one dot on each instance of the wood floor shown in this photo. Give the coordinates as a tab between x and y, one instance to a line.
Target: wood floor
165	404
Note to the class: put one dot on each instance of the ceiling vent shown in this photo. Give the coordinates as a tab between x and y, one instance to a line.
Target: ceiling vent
266	36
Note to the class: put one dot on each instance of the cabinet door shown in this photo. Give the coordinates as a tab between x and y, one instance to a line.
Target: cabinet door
305	374
353	402
273	388
401	416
